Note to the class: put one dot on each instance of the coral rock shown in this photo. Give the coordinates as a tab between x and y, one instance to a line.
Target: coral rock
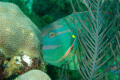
34	75
18	34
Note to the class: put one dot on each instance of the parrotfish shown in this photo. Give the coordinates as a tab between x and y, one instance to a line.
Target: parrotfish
60	42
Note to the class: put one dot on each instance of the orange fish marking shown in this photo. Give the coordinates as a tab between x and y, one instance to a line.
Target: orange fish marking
66	54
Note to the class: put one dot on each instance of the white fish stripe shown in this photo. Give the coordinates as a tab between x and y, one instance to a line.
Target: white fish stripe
47	47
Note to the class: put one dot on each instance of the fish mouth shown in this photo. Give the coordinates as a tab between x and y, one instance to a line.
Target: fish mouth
52	47
67	52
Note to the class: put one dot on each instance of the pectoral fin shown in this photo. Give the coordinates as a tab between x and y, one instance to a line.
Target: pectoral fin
67	52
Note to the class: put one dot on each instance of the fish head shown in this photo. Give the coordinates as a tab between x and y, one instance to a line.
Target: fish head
57	39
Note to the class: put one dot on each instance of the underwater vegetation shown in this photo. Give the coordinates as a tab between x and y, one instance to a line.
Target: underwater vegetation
51	10
96	33
54	8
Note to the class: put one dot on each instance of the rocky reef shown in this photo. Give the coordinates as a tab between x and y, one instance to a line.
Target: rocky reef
34	75
20	42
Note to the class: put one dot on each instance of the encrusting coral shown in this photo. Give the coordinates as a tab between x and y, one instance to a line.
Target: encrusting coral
34	75
20	41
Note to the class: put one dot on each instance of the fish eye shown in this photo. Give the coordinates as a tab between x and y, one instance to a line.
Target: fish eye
51	34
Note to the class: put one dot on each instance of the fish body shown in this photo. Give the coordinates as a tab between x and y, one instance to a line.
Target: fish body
60	42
